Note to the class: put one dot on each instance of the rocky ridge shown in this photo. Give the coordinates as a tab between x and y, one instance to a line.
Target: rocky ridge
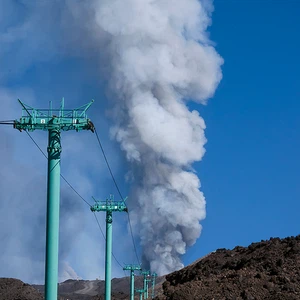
14	289
265	270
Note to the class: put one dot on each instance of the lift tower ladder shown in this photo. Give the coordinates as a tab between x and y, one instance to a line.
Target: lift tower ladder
54	121
132	268
109	206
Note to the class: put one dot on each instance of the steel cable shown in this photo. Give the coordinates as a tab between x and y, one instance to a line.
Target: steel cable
68	183
119	192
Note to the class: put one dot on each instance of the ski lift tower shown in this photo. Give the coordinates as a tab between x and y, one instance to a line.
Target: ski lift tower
132	268
154	275
54	121
141	292
110	205
146	280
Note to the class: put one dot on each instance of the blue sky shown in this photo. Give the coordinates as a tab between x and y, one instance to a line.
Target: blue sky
249	174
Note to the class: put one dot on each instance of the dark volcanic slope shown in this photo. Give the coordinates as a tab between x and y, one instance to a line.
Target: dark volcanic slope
95	289
14	289
121	286
266	270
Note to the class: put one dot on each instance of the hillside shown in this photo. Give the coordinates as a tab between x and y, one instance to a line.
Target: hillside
94	289
14	289
265	270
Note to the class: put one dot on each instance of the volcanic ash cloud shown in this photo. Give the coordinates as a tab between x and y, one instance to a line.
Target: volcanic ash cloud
160	57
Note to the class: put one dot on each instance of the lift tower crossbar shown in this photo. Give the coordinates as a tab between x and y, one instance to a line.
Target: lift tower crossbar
141	292
58	119
132	268
53	120
109	206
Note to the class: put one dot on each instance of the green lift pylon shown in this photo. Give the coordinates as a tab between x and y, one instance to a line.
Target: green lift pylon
109	206
132	268
141	292
146	280
153	275
53	121
147	286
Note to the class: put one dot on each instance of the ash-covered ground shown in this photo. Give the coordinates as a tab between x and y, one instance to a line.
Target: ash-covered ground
266	270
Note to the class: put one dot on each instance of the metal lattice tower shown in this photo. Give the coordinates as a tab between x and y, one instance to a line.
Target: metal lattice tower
132	268
154	275
109	206
54	121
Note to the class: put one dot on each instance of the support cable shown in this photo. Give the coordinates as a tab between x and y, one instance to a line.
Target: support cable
117	187
126	276
68	183
7	122
105	240
36	144
99	225
108	166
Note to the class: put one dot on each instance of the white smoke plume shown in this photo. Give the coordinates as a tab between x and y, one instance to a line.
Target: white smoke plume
155	56
160	57
67	272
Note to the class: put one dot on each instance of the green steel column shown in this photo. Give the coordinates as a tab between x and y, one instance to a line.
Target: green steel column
153	285
145	273
109	206
64	119
145	289
141	292
108	254
132	268
131	284
52	230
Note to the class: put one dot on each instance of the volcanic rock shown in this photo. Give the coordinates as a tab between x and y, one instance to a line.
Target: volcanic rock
14	289
266	270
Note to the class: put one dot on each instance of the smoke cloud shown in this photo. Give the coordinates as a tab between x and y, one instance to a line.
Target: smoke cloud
154	57
160	57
